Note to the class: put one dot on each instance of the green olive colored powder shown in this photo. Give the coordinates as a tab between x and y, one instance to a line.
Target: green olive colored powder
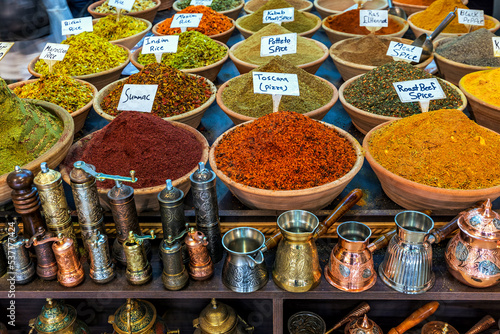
194	50
110	30
249	51
239	96
217	5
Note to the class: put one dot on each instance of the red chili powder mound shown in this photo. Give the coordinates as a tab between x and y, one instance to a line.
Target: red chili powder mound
154	148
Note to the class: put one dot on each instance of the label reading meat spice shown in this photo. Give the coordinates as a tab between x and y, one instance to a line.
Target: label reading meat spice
373	18
278	45
160	44
4	48
122	4
137	97
200	3
54	51
496	46
76	26
185	21
472	17
404	51
278	15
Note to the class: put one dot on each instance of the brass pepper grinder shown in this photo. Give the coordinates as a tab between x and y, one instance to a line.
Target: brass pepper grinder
54	204
175	275
101	266
173	221
139	270
122	204
200	264
70	272
46	265
21	269
220	318
362	325
58	318
26	200
206	209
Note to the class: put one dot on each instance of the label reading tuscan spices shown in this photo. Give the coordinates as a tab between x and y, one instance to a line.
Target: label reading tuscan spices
496	46
4	48
160	44
137	97
373	18
122	4
278	45
185	21
404	51
76	26
54	51
275	83
200	3
278	15
472	17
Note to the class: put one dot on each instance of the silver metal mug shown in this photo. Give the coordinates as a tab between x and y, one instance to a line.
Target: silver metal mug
244	268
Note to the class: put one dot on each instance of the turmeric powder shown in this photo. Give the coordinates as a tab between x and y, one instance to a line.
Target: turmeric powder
485	85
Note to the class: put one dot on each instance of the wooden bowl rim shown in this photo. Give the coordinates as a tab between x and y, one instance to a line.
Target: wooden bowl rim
65	169
229	31
92	12
309	6
121	40
451	34
456	63
421	187
317	5
474	98
311	15
291	193
340	33
204	106
225	12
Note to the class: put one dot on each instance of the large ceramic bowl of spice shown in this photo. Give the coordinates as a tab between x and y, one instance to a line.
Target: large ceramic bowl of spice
435	160
144	9
90	58
304	24
370	99
300	5
285	161
413	6
346	25
237	99
458	56
230	8
196	54
327	7
180	97
73	95
482	89
246	54
155	149
128	31
31	132
355	56
215	25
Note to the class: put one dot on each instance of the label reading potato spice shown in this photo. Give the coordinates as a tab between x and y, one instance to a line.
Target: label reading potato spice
278	45
137	97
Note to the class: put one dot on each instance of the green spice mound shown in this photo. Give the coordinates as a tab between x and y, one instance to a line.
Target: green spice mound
110	30
301	23
26	131
194	50
139	5
62	90
239	96
373	92
475	48
441	149
217	5
177	92
88	54
249	51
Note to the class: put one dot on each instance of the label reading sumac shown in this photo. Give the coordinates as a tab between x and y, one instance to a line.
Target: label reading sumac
137	97
275	83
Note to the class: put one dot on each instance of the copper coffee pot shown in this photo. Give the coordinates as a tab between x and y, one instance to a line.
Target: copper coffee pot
139	269
58	318
221	319
46	265
200	264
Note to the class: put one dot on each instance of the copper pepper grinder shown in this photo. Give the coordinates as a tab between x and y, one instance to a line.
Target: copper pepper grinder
21	269
139	269
46	265
200	264
70	272
175	275
206	209
26	200
101	266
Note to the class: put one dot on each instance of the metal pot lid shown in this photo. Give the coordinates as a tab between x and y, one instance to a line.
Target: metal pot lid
218	318
46	177
170	194
202	174
481	222
120	191
142	316
79	176
55	316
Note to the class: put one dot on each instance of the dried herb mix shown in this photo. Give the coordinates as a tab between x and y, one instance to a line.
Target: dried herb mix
239	96
373	92
139	6
217	5
110	30
284	151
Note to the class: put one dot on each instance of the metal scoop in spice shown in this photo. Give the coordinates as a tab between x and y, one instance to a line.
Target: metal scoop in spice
396	11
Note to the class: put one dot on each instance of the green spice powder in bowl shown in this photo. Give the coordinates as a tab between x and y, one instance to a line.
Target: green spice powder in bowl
230	8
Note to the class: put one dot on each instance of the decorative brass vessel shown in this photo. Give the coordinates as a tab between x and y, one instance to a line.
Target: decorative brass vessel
362	325
58	318
139	269
221	319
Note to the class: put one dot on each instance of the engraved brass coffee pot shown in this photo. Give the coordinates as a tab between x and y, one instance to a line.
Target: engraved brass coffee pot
219	318
58	318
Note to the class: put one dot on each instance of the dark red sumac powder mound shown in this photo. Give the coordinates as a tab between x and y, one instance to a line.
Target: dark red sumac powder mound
154	148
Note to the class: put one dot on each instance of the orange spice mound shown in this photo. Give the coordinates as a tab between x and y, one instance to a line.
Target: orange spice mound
348	22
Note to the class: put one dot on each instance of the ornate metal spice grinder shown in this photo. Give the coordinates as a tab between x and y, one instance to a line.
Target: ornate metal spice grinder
139	270
70	272
175	275
207	210
22	268
220	318
362	325
200	264
58	318
3	255
101	266
46	265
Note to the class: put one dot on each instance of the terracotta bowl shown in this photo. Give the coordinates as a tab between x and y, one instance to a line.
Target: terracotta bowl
334	36
305	199
53	156
364	121
145	198
247	33
252	6
148	14
415	196
222	37
245	67
165	4
99	80
210	71
237	118
410	9
485	114
419	31
349	69
191	118
79	116
131	41
231	13
324	11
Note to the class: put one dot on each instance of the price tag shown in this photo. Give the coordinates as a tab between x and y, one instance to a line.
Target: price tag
185	21
54	51
471	16
278	15
200	3
137	97
4	48
405	52
76	26
275	84
422	91
496	46
278	45
122	4
373	18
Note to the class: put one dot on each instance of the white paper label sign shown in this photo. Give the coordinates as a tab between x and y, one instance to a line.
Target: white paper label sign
54	51
123	4
278	15
275	83
373	18
404	51
419	90
137	97
200	3
4	48
473	17
76	26
496	46
186	20
278	45
160	44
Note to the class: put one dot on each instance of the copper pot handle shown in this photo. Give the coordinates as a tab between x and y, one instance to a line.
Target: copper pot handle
382	241
483	324
415	318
